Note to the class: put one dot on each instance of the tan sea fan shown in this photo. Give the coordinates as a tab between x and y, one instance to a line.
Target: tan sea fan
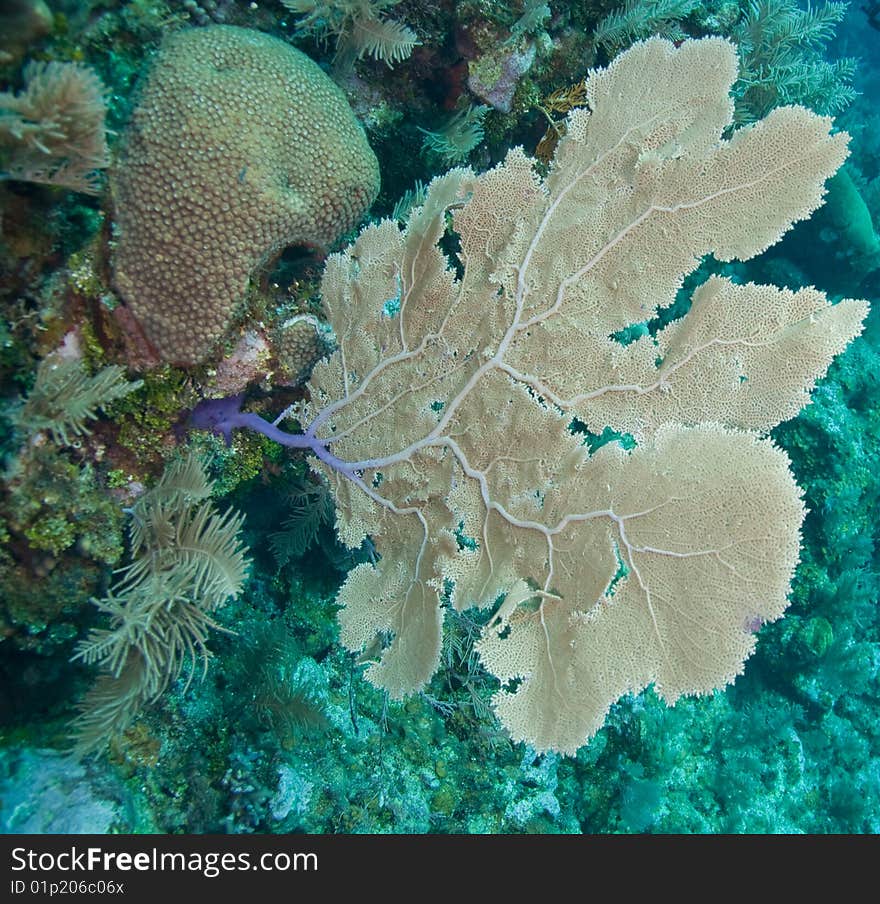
447	421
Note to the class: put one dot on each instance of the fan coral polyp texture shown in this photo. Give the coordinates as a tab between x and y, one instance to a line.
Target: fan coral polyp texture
240	146
443	422
445	430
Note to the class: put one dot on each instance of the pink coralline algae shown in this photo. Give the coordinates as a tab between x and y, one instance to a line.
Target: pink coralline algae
495	75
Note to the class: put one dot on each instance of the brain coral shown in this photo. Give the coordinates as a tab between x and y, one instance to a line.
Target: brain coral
240	145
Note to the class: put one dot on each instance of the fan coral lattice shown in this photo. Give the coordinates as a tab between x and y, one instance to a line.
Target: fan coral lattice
443	423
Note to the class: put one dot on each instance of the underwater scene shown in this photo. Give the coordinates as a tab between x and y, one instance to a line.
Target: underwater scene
439	417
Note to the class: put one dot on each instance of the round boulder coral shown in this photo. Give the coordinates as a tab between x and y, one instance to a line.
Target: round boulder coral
240	146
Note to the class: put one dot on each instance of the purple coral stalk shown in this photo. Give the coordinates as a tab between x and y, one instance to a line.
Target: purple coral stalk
222	416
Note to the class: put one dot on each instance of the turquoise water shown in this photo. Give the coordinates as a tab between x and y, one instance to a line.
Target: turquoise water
335	499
